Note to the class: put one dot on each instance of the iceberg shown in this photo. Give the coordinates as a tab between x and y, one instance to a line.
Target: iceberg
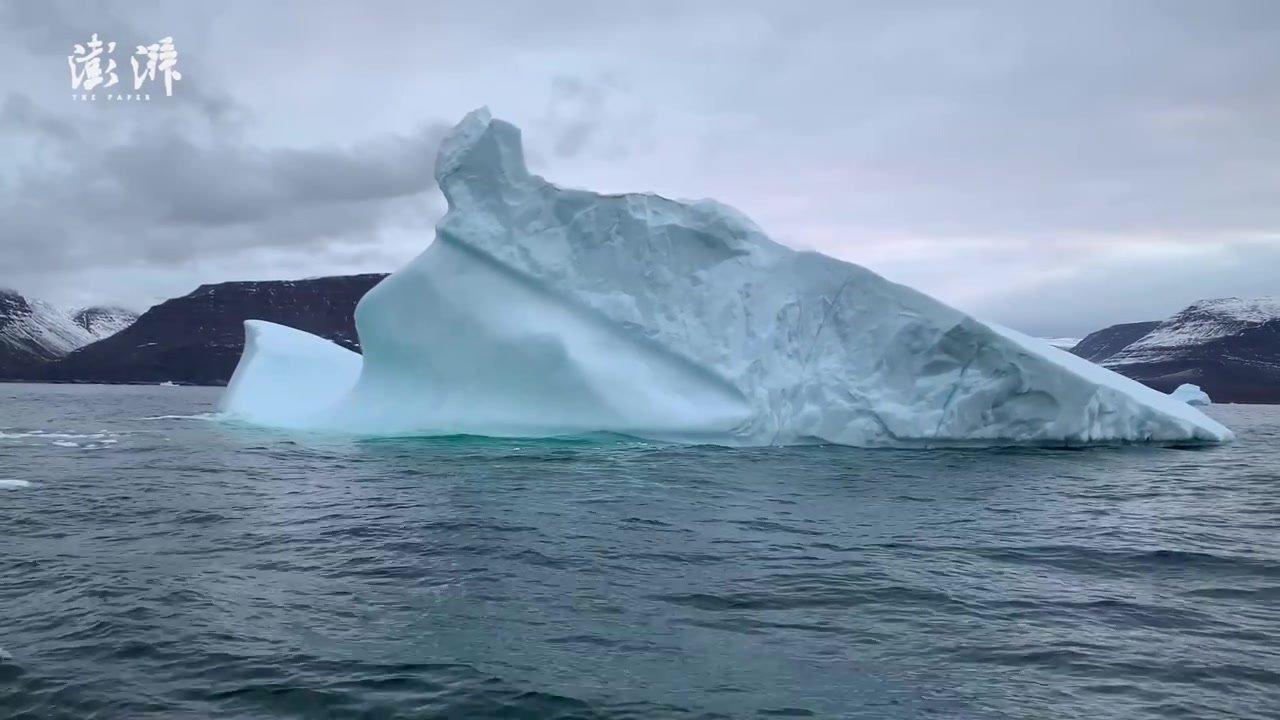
1191	394
541	311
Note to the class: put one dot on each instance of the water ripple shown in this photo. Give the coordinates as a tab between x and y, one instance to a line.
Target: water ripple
194	569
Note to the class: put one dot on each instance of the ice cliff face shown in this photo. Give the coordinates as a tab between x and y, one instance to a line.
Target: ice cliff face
288	365
540	310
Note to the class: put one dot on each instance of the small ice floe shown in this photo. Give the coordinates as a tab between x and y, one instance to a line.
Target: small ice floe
94	441
197	416
1192	395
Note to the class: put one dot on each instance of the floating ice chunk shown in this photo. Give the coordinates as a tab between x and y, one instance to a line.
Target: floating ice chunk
542	311
1191	395
57	436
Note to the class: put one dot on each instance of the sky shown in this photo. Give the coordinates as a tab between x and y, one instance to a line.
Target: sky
1053	166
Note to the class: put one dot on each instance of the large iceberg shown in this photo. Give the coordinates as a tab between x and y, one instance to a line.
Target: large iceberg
542	311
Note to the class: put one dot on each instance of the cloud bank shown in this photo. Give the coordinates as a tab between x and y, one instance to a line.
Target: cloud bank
1056	168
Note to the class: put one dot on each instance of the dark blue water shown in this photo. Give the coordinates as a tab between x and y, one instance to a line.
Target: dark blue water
178	568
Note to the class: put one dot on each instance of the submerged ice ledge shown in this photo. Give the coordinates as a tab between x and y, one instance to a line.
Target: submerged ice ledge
541	311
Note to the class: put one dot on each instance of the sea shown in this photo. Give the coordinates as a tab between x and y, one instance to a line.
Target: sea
157	562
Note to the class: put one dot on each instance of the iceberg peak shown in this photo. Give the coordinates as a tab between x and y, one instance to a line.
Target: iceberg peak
478	157
542	311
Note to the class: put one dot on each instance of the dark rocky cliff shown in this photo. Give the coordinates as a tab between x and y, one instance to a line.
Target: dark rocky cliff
197	338
1100	345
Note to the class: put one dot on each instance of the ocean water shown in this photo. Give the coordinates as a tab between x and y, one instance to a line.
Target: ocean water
159	565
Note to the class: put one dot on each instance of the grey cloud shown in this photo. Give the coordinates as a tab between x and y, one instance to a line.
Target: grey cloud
164	198
183	181
19	113
1098	293
580	99
49	28
1019	119
582	115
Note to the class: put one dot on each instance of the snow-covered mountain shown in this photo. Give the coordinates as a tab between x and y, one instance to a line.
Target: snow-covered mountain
38	329
34	332
1230	347
1204	323
104	322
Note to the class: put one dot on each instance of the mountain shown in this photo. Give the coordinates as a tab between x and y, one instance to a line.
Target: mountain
197	338
1100	345
104	322
1230	347
34	332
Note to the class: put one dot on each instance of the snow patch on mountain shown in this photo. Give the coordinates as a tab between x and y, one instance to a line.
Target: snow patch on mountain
1062	343
43	331
33	330
104	322
1249	310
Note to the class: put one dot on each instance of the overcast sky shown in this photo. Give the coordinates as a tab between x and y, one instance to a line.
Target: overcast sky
1056	166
